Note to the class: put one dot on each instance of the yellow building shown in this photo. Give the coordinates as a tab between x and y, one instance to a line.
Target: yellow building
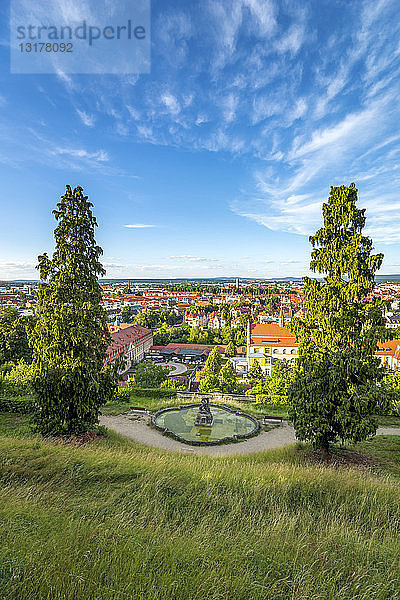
268	343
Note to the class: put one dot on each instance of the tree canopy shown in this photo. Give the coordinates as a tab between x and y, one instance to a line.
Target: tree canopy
70	337
339	333
149	375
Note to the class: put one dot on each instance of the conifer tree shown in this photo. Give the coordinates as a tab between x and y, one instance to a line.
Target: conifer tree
208	376
255	374
212	364
339	333
230	349
228	379
70	336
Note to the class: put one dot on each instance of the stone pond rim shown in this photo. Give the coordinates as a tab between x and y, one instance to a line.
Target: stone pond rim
229	425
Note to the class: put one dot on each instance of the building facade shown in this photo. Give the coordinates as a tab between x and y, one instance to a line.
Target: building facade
269	343
132	342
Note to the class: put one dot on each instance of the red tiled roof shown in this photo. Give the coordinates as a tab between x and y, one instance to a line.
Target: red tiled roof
175	346
133	334
271	334
389	348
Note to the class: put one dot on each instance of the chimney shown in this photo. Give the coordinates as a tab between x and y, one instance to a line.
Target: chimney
281	318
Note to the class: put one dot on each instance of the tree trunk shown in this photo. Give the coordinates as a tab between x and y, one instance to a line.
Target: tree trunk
323	446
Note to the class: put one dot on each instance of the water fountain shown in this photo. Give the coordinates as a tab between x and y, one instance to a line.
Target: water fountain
205	423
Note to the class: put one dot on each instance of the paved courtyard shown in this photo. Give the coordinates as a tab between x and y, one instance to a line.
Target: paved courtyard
176	368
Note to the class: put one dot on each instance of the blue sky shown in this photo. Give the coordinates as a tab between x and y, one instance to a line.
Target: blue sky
225	151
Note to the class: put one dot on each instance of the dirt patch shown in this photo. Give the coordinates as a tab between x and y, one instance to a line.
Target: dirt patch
75	439
342	458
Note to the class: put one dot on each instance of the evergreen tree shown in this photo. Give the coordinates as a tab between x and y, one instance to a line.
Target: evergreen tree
126	314
208	376
255	374
209	383
213	362
230	350
338	335
228	379
70	337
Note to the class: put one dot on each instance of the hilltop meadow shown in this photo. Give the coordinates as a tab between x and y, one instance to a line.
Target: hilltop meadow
112	519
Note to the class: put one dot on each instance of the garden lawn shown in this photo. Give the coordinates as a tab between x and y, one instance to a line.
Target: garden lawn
116	520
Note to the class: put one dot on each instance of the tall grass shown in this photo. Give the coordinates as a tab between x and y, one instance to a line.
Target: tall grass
114	519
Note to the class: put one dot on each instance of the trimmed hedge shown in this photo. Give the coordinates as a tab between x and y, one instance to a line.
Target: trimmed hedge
125	393
153	393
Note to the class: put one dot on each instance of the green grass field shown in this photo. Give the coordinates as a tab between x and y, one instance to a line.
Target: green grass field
116	520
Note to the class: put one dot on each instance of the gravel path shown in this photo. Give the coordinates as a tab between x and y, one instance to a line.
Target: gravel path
139	431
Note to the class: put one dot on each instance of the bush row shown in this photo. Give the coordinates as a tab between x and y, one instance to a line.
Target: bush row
124	394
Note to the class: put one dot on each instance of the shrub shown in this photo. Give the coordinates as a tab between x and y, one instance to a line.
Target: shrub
18	381
153	393
17	404
124	394
172	384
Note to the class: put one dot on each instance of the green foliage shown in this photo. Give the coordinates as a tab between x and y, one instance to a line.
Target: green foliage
274	390
149	375
389	393
127	314
6	368
214	379
279	383
70	337
272	302
172	384
16	403
152	318
14	330
208	376
209	383
230	349
166	334
185	334
338	336
255	374
146	318
213	362
154	393
124	393
228	379
17	381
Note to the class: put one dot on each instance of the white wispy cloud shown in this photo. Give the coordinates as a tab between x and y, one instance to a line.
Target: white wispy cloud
171	103
139	226
190	258
100	156
86	118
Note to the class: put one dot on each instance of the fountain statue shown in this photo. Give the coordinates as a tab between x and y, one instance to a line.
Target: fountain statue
204	417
